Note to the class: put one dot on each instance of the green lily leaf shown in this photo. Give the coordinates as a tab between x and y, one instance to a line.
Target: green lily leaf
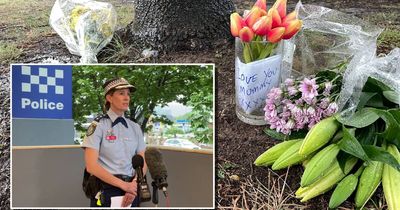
373	85
376	101
301	134
392	126
274	134
396	114
280	136
360	119
379	154
364	98
366	135
350	144
392	96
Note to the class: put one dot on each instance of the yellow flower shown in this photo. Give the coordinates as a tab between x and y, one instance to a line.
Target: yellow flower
75	15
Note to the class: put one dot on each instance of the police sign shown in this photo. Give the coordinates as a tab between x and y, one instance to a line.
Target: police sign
42	91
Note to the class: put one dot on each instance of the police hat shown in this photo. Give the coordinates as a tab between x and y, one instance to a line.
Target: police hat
117	84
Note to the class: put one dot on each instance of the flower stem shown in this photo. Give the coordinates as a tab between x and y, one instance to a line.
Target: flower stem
247	54
337	76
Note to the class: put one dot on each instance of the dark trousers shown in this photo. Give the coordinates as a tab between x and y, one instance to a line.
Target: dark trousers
111	191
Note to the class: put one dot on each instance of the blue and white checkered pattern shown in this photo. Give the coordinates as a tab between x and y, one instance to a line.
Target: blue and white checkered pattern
43	80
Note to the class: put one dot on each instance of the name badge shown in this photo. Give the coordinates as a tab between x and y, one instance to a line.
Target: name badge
110	136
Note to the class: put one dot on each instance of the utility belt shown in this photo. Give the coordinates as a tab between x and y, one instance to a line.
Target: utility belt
124	177
92	185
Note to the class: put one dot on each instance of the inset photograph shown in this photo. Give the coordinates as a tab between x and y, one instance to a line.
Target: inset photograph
112	136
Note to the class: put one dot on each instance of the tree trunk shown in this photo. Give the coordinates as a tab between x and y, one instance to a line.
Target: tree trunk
174	25
146	118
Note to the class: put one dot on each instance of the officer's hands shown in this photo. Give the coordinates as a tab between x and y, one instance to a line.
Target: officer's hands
131	191
130	187
128	199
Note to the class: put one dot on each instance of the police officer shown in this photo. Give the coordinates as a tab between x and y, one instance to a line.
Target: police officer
110	143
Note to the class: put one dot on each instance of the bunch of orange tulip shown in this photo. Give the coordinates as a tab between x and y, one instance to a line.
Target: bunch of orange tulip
259	25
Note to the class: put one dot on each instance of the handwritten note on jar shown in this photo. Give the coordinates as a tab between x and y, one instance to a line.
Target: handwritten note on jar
254	80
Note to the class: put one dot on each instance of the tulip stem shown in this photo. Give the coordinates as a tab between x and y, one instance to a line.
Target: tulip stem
252	53
247	54
266	51
271	47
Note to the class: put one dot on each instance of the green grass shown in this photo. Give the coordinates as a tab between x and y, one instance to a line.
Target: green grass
390	38
382	19
9	52
389	21
118	51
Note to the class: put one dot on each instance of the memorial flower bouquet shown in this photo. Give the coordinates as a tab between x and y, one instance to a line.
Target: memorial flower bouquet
353	154
351	151
260	30
299	104
86	26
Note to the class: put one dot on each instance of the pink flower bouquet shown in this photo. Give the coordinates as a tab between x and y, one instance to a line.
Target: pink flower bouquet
299	104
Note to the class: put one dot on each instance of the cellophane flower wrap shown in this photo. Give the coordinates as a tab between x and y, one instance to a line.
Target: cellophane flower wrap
85	26
328	38
364	90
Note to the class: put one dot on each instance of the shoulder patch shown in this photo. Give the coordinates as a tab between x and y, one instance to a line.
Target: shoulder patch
91	128
93	125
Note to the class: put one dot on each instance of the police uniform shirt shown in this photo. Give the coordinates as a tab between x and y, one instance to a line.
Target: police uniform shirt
116	144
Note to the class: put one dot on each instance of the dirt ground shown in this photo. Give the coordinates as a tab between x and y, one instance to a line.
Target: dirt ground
239	183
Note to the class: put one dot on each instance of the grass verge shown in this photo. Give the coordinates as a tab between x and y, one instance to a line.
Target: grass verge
8	52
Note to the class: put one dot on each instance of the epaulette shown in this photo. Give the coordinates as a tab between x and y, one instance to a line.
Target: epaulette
99	117
93	125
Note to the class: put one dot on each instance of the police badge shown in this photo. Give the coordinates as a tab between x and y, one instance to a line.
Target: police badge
91	128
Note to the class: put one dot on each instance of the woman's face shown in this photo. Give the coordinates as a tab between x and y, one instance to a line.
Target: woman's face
119	100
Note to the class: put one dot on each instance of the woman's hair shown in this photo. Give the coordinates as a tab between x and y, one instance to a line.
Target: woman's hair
107	104
110	92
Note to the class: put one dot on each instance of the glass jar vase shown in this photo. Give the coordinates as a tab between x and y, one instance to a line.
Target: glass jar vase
257	71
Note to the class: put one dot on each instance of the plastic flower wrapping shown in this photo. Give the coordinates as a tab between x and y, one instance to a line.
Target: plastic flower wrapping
85	26
331	66
328	39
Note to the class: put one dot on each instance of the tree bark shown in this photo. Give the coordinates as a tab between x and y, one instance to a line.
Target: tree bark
146	118
172	25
